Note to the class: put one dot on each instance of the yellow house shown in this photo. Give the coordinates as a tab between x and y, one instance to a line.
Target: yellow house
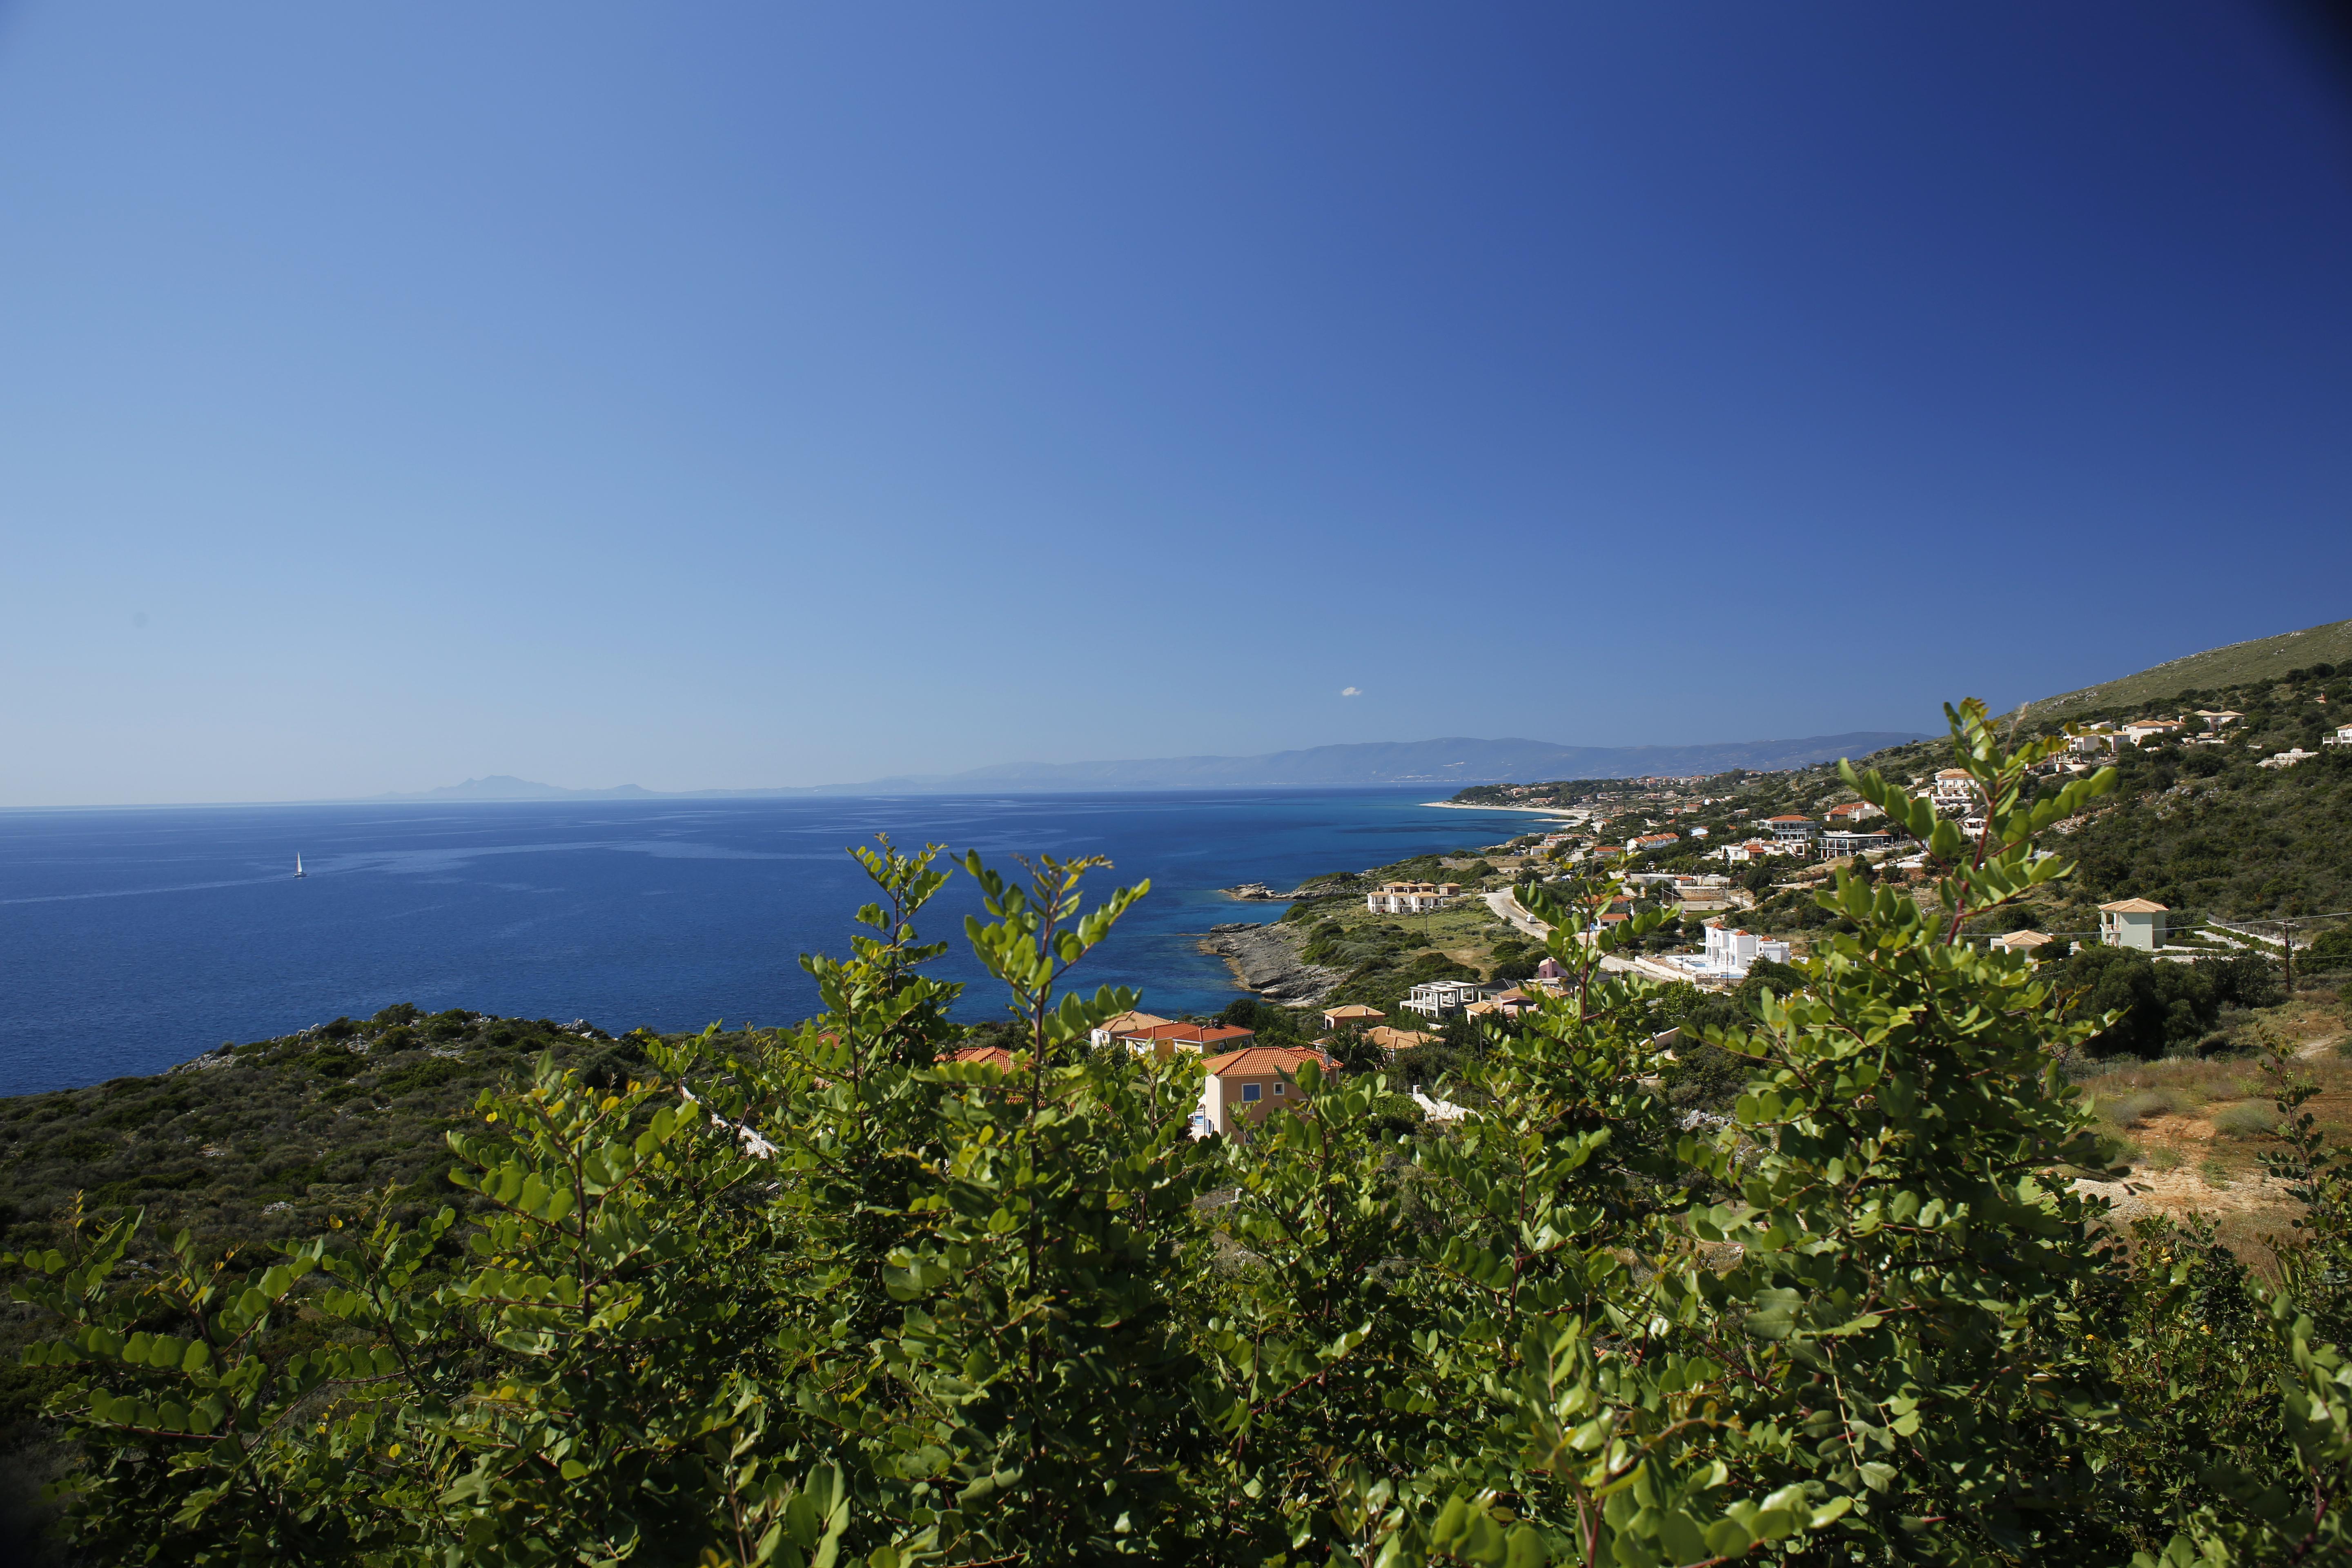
1244	1087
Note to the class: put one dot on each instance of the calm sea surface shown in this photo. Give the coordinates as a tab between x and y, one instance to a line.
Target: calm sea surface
132	940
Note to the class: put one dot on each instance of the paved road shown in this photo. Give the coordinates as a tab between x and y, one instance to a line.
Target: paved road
1506	904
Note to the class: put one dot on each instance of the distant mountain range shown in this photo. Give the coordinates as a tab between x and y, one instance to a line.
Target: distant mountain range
2264	659
1447	764
504	786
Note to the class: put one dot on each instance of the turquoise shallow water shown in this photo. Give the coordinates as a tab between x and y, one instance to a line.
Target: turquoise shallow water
132	940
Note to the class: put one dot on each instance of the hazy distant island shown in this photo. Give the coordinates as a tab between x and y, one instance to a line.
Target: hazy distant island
1452	762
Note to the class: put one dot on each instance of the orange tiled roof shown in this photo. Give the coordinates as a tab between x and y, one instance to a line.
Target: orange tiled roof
988	1056
1265	1061
1186	1032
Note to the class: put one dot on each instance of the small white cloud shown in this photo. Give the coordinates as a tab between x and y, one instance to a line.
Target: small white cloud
1351	691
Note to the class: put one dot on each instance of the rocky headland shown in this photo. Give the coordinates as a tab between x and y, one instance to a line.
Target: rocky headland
1265	958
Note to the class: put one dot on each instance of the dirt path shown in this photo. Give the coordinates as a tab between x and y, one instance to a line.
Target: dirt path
2187	1186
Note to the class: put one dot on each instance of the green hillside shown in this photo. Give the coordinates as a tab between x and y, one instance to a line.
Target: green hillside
2265	659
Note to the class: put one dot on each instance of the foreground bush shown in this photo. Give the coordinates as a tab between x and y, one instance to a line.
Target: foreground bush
828	1296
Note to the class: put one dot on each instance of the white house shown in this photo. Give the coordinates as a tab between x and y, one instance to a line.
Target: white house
1436	998
1735	950
2286	759
2343	737
2132	922
1953	793
1840	841
1730	954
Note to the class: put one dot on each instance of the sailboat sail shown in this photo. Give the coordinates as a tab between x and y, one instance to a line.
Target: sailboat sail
297	864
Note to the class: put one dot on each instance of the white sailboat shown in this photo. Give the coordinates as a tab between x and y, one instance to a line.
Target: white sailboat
299	872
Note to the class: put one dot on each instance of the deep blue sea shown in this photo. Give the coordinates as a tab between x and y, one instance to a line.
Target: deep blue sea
132	939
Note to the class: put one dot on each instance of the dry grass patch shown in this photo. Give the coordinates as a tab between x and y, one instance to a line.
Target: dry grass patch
2246	1119
2137	1105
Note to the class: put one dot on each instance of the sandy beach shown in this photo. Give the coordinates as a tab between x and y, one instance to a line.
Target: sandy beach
1560	811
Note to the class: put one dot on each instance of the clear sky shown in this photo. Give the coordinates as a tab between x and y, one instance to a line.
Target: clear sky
745	395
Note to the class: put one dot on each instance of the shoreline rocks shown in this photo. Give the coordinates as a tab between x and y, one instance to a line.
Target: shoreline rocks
1265	958
1259	892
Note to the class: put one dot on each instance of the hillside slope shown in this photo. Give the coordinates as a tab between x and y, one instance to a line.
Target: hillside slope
2265	659
2207	828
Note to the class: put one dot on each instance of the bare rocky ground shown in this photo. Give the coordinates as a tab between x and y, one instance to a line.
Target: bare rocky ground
2193	1135
1265	960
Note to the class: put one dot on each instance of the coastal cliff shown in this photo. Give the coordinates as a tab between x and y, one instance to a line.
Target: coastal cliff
1265	960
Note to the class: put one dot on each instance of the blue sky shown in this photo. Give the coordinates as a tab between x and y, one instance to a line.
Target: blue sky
725	395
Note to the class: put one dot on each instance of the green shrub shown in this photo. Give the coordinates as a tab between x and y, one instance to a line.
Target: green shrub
430	1073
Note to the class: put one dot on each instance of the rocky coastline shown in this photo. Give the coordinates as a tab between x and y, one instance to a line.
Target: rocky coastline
1265	958
1258	892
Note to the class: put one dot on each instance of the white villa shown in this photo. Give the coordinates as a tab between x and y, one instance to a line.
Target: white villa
1410	897
2132	922
1730	954
1840	841
1953	793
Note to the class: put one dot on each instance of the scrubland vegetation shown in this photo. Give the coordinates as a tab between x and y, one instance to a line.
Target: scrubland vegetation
819	1295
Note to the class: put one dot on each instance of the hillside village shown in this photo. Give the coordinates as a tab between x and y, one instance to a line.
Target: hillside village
2213	906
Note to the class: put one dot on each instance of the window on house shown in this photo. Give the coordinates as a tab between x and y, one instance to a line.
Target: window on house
1278	1089
1250	1091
